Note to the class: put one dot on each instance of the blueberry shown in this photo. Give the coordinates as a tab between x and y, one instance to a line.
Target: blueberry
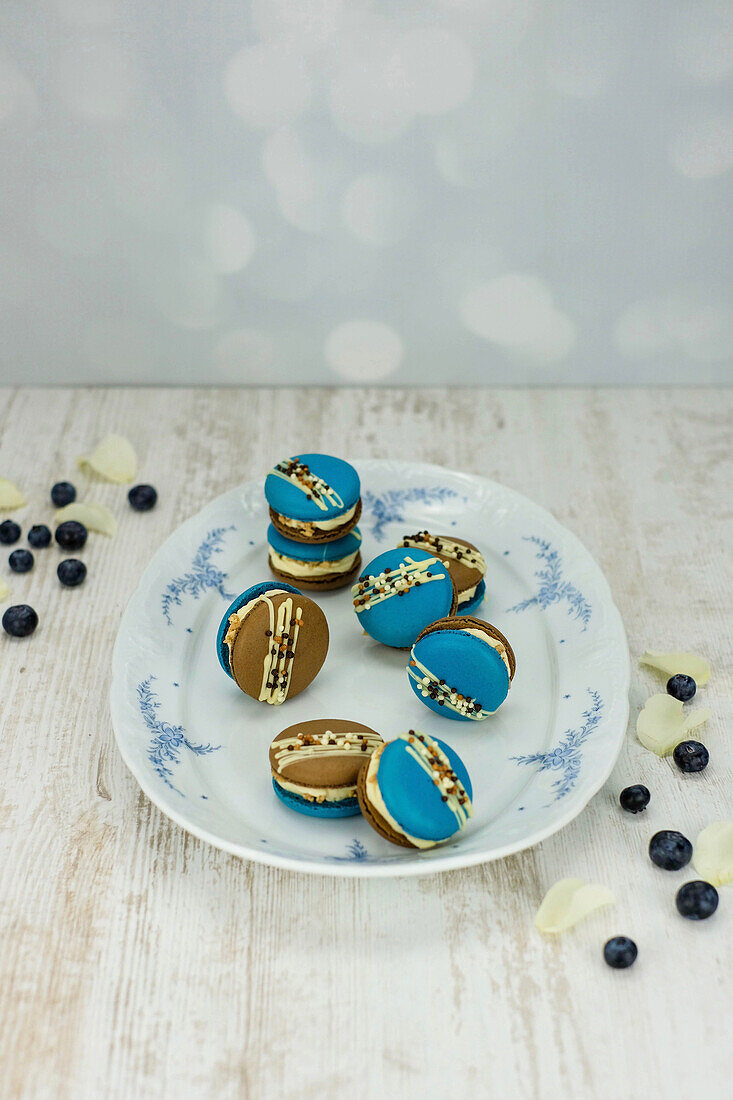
20	620
71	535
670	850
634	799
21	561
71	572
689	756
142	498
697	900
39	536
9	532
63	493
681	687
620	952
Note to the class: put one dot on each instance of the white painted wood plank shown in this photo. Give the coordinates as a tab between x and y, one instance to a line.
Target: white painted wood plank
139	962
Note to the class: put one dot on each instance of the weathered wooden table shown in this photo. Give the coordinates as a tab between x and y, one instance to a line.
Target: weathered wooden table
138	962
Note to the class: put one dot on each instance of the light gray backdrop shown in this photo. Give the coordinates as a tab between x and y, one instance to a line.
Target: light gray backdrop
346	191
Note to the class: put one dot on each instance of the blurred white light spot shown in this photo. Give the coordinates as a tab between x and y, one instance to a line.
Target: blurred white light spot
438	68
97	80
87	13
184	290
517	312
369	101
702	40
364	351
704	147
302	185
230	239
17	97
309	23
378	208
682	321
267	85
385	78
244	352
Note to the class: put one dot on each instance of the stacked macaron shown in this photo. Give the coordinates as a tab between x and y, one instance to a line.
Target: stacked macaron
318	566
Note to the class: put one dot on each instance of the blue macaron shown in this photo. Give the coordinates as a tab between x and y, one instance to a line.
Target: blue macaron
461	668
399	593
469	606
315	565
416	791
313	497
252	593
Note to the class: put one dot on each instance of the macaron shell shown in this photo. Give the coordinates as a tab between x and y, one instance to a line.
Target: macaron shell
313	535
286	498
411	797
372	816
252	593
469	606
462	621
251	646
320	584
397	621
329	771
314	551
349	807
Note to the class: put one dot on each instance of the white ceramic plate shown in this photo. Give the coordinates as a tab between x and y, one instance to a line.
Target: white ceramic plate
199	748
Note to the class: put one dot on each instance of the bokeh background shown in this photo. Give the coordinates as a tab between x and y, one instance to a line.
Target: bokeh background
358	191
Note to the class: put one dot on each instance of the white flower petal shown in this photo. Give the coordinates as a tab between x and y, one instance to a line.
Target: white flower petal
10	496
95	517
664	722
712	857
113	459
569	901
671	663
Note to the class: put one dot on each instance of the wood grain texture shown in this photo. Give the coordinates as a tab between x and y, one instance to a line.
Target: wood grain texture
139	962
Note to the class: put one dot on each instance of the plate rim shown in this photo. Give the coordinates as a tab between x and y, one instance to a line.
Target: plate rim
364	869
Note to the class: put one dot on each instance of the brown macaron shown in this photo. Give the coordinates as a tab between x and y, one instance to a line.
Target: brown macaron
464	561
315	765
273	642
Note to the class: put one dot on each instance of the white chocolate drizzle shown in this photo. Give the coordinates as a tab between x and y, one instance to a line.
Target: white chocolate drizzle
446	548
282	639
371	590
314	487
444	695
436	764
292	750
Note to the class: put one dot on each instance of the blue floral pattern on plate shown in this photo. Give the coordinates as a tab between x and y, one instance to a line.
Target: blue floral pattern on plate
389	507
201	576
356	852
553	586
164	750
567	758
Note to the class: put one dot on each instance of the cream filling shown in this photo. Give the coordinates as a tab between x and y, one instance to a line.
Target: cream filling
317	794
312	568
493	642
375	797
467	595
320	525
237	617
